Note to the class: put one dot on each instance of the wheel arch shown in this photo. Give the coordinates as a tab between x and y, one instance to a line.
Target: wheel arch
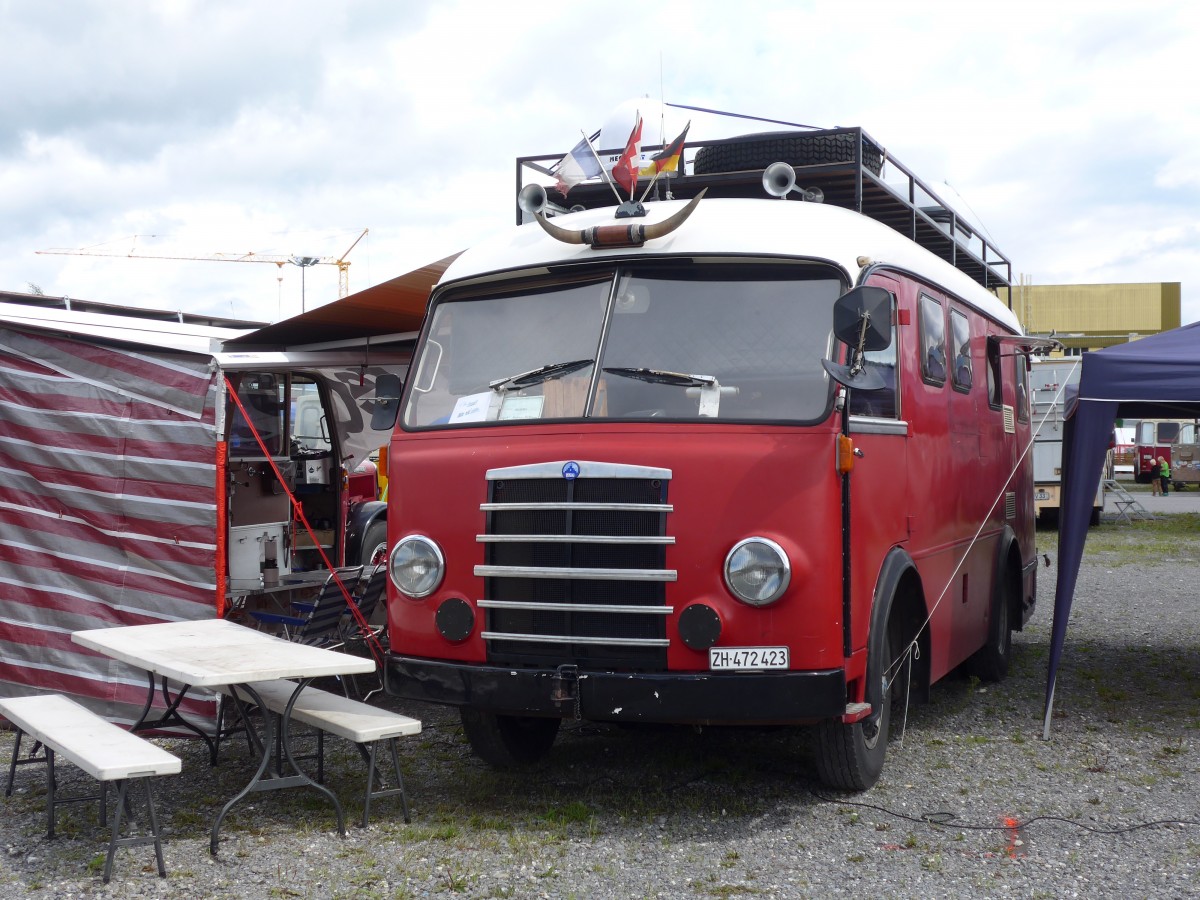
1009	566
900	599
359	520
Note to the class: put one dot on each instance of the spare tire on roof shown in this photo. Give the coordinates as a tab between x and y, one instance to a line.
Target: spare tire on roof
794	148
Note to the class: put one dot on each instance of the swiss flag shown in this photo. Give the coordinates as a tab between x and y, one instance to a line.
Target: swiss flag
625	169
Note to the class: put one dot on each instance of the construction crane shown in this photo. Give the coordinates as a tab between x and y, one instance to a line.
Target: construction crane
303	262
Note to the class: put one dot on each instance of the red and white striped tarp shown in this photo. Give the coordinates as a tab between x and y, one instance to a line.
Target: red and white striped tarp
108	512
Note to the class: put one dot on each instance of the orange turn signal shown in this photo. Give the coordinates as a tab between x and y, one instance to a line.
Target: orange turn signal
845	454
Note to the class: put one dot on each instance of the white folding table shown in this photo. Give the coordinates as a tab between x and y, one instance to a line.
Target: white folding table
214	653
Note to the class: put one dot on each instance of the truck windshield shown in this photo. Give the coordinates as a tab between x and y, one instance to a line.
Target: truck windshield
722	342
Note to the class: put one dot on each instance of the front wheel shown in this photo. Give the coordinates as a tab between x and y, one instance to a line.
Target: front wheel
508	742
850	757
374	545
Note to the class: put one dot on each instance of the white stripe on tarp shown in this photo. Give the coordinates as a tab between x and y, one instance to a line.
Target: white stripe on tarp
91	598
97	563
89	674
81	414
115	457
110	532
124	390
131	498
40	626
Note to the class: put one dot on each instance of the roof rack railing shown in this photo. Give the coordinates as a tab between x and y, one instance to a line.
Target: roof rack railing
847	164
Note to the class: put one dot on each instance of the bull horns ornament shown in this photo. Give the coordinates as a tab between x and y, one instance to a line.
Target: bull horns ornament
604	236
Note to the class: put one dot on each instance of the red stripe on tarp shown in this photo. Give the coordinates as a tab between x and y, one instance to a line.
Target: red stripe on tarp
100	612
134	531
99	689
100	486
115	581
144	368
109	404
111	445
24	364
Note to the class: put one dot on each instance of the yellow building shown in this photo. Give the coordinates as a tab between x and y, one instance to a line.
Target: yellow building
1091	316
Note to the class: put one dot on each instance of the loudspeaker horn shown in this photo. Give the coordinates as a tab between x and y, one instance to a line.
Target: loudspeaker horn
779	179
532	199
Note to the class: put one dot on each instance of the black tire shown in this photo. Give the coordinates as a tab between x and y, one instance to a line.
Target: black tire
374	545
991	661
794	148
850	757
1095	517
508	742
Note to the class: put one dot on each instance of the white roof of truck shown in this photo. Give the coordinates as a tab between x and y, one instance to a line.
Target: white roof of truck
736	227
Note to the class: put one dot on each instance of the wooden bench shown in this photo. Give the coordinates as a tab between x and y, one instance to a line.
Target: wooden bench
105	751
365	725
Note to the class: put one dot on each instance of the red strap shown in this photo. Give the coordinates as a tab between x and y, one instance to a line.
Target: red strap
364	628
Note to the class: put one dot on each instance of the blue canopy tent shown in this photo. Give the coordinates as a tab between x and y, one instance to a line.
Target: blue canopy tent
1157	377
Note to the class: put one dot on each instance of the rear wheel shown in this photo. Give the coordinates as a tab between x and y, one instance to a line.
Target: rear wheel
990	661
508	742
850	757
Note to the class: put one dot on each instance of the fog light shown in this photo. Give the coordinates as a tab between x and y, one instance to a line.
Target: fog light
699	626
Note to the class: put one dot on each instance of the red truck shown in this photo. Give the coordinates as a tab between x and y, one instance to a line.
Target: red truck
739	457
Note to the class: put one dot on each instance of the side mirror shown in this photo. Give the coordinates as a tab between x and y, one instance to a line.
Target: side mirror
387	401
862	319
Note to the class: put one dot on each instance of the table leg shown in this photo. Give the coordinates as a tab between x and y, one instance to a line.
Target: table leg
263	779
171	716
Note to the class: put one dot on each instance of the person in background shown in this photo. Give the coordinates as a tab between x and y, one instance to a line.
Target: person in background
1164	476
1156	477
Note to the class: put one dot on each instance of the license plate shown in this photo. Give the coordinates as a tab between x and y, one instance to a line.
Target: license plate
1041	495
736	658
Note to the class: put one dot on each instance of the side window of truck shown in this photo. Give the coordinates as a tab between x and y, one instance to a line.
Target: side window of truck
995	383
883	403
1021	361
960	346
933	341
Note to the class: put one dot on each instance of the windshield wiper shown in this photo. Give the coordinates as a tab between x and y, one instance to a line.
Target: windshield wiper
537	376
659	376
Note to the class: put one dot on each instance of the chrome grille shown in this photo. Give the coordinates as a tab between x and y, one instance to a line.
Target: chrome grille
575	570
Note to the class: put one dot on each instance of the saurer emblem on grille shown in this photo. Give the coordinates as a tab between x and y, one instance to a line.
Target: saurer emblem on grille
570	471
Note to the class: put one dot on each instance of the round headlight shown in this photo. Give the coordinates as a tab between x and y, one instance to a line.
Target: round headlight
416	566
757	571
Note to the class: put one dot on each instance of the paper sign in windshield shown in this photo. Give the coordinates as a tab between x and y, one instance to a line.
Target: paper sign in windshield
522	407
473	407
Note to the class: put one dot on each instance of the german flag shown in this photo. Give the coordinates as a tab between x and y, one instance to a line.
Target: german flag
667	159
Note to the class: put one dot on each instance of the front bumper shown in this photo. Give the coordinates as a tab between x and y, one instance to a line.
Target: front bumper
693	698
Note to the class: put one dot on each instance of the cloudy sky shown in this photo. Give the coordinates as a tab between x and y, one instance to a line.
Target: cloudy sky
1069	131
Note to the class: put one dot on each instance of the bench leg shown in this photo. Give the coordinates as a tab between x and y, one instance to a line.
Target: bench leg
12	766
16	761
371	771
153	838
49	793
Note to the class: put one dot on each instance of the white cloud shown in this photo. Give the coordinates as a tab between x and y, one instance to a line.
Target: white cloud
1067	129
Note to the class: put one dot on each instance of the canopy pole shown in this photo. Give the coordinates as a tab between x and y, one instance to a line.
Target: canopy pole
1049	709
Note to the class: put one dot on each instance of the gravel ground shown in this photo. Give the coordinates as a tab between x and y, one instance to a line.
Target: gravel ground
972	801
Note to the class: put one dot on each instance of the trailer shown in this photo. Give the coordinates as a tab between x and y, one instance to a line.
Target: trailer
1049	379
156	471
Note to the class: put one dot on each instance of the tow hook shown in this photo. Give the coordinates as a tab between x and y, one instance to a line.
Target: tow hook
564	686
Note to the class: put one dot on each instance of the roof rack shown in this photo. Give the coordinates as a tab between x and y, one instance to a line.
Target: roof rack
846	164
